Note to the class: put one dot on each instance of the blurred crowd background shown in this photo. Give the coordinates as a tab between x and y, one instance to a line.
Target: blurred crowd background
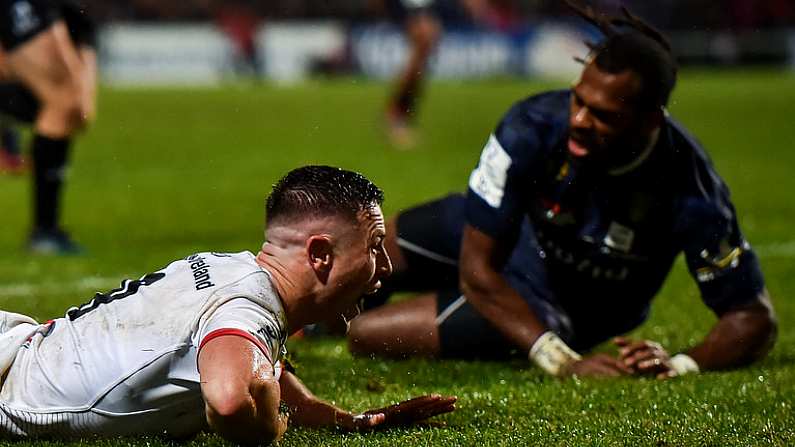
207	41
736	15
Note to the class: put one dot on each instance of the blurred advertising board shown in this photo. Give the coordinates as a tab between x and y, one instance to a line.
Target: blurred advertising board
546	50
163	54
290	52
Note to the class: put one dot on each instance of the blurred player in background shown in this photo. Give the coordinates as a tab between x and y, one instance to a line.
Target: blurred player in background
48	79
580	204
240	20
422	22
199	344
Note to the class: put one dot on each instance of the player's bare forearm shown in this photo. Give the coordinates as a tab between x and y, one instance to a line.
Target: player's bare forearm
482	259
739	337
493	298
306	409
309	411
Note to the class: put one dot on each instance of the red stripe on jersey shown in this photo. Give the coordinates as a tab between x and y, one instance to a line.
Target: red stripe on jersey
239	333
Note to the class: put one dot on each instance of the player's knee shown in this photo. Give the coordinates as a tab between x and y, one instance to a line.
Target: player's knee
360	336
425	33
66	108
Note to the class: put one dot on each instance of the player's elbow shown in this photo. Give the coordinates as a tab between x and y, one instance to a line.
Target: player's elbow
233	413
478	282
759	328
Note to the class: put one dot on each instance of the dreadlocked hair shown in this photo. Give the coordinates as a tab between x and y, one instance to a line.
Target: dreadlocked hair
632	44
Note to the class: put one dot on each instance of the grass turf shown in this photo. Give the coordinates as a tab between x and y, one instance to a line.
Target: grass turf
167	172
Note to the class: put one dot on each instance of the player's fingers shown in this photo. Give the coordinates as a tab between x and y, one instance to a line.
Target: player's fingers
434	408
655	364
368	420
406	405
621	341
419	401
633	347
442	410
418	404
640	356
618	365
441	407
612	363
415	409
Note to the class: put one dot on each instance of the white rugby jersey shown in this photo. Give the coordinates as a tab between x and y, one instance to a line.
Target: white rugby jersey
126	361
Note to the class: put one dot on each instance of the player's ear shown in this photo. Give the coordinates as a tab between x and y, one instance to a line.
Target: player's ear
320	252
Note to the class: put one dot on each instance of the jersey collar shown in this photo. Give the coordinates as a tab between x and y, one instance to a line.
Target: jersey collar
632	165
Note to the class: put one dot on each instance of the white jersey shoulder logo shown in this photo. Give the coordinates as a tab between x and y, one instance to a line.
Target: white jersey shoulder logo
489	178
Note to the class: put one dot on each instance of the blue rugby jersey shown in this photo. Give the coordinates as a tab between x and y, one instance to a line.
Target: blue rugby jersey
608	242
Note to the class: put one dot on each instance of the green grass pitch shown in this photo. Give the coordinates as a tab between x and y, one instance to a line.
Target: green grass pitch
168	172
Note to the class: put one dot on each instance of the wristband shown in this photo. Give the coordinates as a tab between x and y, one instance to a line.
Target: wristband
552	354
683	364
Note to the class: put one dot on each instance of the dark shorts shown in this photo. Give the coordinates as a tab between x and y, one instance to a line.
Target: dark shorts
430	238
21	20
446	11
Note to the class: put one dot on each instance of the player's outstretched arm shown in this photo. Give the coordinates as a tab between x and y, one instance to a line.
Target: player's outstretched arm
739	337
482	259
240	392
481	263
309	411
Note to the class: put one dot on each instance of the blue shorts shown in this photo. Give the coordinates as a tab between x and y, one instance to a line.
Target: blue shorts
21	20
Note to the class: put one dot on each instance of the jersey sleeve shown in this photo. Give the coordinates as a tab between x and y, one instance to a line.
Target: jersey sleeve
498	185
721	261
244	318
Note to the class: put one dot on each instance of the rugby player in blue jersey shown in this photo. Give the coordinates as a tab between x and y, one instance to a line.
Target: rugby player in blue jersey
579	205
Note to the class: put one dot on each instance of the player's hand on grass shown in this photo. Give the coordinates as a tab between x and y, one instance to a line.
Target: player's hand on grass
404	413
645	357
599	365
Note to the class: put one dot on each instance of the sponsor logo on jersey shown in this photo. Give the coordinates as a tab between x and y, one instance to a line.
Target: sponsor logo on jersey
23	18
488	179
726	258
619	237
583	261
201	272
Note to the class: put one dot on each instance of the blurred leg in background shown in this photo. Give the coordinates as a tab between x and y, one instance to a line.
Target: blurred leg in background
49	71
423	31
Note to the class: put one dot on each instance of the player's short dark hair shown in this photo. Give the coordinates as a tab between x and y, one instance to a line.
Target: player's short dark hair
321	191
632	44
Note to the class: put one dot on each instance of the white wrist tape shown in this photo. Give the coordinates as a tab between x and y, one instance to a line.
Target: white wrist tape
552	354
684	364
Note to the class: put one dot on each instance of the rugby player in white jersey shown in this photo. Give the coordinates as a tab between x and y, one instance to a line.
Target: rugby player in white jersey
198	344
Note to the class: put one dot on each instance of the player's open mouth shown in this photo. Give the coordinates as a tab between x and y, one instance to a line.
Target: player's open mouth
577	149
375	288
